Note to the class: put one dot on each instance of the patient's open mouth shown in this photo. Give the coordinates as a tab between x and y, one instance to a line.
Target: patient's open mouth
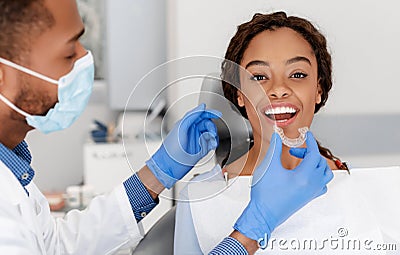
281	113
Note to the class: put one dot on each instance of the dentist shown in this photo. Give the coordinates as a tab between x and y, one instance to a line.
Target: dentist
46	78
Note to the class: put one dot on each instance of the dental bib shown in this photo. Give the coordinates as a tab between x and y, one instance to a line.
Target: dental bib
292	142
343	215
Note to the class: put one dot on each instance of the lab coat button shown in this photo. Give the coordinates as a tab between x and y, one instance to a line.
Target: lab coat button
25	176
143	214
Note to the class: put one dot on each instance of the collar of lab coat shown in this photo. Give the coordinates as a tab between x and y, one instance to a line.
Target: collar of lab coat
13	192
10	186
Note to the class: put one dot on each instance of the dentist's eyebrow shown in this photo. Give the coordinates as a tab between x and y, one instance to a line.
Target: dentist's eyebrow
257	63
77	36
298	59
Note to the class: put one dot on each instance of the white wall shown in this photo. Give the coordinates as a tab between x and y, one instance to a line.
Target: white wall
362	34
360	119
135	45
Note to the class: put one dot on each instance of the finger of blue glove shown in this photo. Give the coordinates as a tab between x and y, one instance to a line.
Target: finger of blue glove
298	152
322	168
207	114
196	116
274	150
324	175
312	156
203	143
194	140
311	143
276	146
273	156
207	125
208	136
192	116
320	192
324	190
322	163
301	152
210	139
211	128
211	114
328	174
203	137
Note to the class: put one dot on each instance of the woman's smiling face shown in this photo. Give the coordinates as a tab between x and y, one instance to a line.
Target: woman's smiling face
280	82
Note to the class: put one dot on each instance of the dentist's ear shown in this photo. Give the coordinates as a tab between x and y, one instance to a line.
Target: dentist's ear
6	76
1	76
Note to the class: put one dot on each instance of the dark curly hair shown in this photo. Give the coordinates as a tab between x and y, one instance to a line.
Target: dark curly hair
262	22
20	22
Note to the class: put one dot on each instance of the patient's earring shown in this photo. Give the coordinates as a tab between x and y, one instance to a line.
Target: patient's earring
292	142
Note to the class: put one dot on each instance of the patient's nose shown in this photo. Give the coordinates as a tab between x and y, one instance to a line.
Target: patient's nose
278	90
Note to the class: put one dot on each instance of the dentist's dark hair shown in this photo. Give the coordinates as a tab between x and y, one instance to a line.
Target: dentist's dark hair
20	22
259	23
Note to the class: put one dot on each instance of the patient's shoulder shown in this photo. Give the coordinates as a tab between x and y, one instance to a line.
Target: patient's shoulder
213	175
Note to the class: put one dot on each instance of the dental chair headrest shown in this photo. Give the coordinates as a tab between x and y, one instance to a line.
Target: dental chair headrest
234	130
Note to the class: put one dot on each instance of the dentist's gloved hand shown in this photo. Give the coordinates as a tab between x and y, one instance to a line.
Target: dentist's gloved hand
189	141
277	193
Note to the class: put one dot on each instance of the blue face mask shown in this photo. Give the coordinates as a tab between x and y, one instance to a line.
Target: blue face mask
74	90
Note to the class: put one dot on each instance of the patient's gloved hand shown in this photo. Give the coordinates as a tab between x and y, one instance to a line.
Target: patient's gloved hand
277	193
189	141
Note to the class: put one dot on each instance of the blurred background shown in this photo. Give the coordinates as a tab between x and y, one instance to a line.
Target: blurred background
130	38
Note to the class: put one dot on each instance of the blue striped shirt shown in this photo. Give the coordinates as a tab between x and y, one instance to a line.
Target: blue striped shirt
18	160
142	203
139	197
229	246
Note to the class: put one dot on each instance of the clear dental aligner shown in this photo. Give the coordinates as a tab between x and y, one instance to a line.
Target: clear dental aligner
292	142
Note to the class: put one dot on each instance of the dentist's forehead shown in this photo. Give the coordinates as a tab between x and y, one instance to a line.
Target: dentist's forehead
68	22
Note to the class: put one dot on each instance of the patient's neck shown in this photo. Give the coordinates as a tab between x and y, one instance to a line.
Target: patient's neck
246	164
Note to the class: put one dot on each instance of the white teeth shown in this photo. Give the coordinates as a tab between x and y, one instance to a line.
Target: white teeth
280	110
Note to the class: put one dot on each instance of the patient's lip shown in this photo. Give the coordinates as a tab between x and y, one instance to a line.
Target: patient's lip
281	107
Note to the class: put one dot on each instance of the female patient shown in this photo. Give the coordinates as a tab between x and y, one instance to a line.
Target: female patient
286	58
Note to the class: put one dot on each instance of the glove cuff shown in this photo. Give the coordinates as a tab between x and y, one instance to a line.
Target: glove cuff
162	177
253	223
255	233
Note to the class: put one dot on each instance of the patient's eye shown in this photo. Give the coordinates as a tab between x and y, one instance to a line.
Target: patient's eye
298	75
258	77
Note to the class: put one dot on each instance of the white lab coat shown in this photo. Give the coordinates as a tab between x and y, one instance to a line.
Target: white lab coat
27	227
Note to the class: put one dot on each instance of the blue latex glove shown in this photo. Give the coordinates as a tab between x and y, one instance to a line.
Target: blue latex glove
277	193
193	137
